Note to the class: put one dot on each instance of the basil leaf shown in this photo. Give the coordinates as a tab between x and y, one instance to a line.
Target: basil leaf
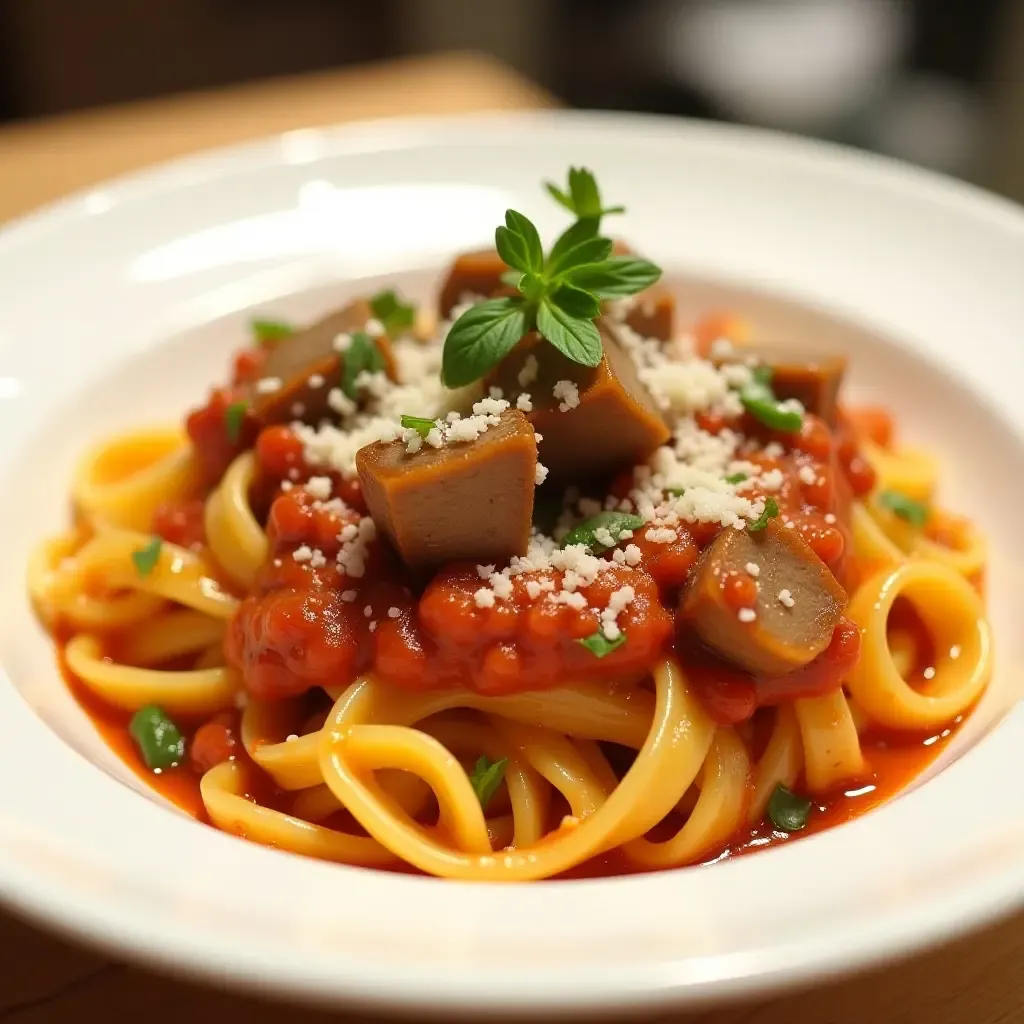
146	558
600	646
576	302
361	356
771	510
266	332
612	521
911	511
234	417
394	314
559	196
593	250
533	287
615	277
578	340
523	227
581	231
586	199
736	478
421	424
486	778
788	812
481	338
511	248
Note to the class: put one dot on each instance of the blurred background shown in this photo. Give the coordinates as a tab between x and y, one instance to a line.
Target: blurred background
937	82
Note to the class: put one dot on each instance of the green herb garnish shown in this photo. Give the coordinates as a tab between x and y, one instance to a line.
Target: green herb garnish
914	512
613	522
486	778
234	417
582	197
269	332
392	312
788	812
760	401
559	295
421	424
146	558
362	356
736	478
159	740
771	510
600	646
676	492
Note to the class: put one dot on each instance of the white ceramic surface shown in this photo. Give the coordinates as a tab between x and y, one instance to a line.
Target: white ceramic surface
120	307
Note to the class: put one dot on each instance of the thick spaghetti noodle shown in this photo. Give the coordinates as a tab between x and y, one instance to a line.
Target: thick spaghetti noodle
607	697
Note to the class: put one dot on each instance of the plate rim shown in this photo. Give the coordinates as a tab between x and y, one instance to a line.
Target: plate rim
981	903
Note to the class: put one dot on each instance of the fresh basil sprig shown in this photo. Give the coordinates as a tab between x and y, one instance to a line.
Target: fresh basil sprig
559	295
583	197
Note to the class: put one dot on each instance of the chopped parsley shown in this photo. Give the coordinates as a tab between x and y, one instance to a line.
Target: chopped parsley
486	778
788	812
613	522
146	558
771	510
234	417
362	356
269	332
911	511
421	424
392	312
600	646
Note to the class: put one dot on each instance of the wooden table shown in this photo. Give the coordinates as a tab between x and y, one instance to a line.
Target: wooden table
42	979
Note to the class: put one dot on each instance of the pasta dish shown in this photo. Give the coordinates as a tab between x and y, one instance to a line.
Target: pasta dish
536	583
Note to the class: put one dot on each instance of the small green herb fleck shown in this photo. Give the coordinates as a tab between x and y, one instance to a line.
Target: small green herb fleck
914	512
613	522
421	424
234	417
788	812
760	401
362	356
486	778
268	332
771	510
600	646
392	312
146	558
159	740
676	492
736	478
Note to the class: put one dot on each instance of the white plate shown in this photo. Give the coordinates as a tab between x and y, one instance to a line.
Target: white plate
103	302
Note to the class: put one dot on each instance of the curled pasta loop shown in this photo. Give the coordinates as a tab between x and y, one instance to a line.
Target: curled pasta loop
832	753
235	536
223	791
910	471
780	764
122	481
953	615
193	692
679	737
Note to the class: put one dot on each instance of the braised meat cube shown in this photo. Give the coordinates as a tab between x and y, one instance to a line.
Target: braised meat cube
799	602
464	501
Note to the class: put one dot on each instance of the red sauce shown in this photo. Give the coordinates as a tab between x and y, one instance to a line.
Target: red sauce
309	623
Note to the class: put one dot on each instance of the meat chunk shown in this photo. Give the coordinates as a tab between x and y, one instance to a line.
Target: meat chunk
811	378
593	420
653	312
784	633
472	273
305	367
464	501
